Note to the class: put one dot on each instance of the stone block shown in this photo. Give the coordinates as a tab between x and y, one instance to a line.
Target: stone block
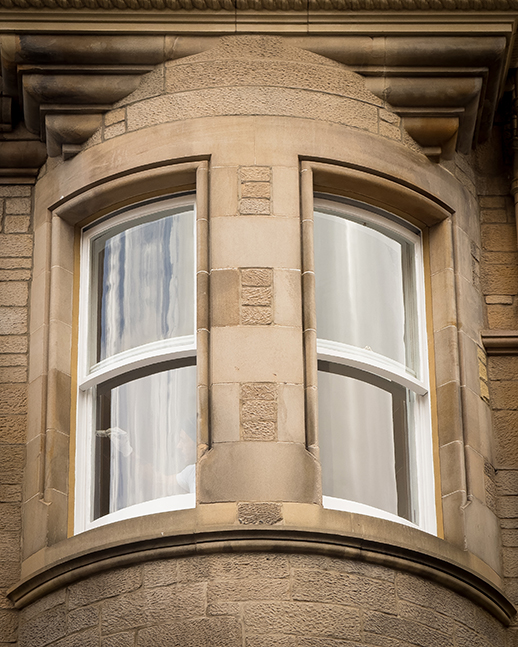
254	207
504	395
446	355
13	321
499	279
151	606
223	191
406	631
13	359
452	463
13	429
12	457
259	354
114	130
450	414
441	247
225	412
256	276
285	191
15	245
247	241
444	300
453	516
57	514
247	566
13	374
83	618
44	628
214	631
259	430
15	190
506	450
14	274
255	173
106	585
258	410
256	296
503	317
11	494
258	391
13	400
243	591
255	190
287	309
8	626
18	206
160	573
88	638
259	514
114	116
17	224
224	297
290	417
343	588
256	316
499	299
303	618
125	639
499	238
503	367
493	216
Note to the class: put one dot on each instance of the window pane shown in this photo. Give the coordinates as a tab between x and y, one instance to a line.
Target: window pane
145	440
365	435
143	284
365	288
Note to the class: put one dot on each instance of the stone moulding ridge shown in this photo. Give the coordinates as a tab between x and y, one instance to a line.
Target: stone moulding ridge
231	540
500	342
434	6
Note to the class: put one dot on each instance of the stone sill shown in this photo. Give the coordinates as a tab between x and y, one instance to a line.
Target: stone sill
305	528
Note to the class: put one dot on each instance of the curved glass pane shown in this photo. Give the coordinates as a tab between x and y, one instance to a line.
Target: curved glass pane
145	440
366	441
143	283
365	287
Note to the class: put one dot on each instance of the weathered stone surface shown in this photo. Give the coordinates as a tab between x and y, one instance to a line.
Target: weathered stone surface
259	513
105	585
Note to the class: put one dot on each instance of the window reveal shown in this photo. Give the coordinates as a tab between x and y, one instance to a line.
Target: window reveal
137	374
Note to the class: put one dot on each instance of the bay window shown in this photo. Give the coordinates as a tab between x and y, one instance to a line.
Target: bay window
374	420
136	425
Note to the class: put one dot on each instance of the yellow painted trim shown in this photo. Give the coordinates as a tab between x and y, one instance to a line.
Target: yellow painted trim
73	373
433	391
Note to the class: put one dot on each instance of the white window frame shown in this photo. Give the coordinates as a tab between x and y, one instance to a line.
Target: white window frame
125	362
378	365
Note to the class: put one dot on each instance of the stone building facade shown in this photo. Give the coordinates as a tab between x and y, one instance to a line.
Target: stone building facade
263	121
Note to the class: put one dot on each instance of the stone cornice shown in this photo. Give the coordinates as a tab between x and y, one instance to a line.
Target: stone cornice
444	86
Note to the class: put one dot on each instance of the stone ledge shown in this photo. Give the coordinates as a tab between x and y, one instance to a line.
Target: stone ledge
500	342
307	529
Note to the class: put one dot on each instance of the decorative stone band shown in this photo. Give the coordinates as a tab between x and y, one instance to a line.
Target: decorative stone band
265	5
500	342
155	537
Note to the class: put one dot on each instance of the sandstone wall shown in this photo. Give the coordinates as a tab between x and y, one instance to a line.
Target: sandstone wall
257	600
15	274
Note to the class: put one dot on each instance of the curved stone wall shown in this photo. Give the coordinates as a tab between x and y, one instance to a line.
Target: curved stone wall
257	600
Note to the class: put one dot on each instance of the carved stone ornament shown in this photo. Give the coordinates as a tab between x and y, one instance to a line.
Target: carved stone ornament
444	87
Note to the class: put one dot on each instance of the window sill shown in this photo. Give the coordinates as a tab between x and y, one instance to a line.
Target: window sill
304	528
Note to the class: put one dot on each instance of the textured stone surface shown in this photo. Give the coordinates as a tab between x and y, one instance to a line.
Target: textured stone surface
264	600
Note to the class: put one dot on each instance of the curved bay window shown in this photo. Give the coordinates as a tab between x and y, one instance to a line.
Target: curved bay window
374	420
136	427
